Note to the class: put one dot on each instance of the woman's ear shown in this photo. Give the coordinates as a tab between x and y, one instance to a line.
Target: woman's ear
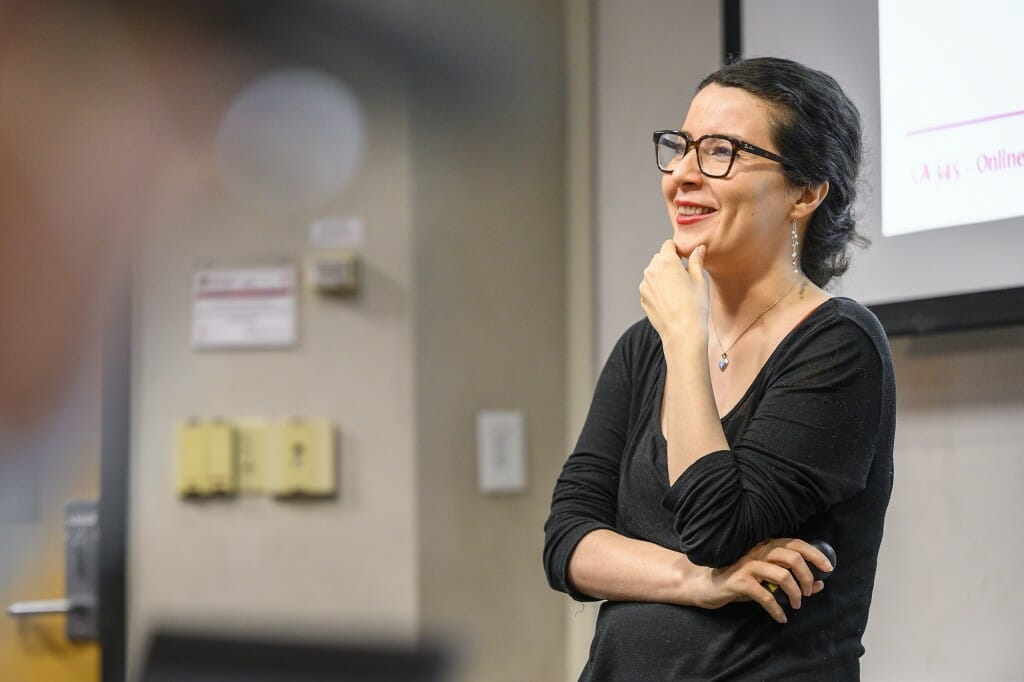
808	199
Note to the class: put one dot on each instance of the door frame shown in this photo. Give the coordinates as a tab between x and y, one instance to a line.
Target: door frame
115	462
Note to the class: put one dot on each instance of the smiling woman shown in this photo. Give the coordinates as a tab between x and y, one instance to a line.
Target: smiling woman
691	487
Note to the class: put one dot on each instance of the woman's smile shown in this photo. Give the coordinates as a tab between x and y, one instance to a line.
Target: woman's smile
688	213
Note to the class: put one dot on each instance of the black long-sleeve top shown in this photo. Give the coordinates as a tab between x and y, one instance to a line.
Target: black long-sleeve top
810	456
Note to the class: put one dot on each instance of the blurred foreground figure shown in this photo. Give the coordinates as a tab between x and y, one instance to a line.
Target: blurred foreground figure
100	100
97	106
85	133
100	103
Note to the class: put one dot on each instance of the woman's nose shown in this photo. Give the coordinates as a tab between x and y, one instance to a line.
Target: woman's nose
687	171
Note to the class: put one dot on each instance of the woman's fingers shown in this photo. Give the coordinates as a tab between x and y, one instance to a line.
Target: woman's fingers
817	557
797	565
798	558
667	296
779	564
810	554
760	594
783	580
695	264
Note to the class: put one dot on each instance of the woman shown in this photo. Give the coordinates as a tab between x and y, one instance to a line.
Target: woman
749	412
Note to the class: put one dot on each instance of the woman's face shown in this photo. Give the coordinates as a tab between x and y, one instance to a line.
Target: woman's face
743	218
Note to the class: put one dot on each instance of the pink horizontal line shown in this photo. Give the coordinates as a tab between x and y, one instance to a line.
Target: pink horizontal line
246	293
966	123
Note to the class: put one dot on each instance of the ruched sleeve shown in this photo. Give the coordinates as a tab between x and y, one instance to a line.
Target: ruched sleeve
586	492
808	445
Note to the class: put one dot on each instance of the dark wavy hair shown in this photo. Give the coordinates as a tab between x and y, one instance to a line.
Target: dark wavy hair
816	127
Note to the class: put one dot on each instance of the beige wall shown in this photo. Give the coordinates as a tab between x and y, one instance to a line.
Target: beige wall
342	566
580	374
948	603
648	60
462	309
490	328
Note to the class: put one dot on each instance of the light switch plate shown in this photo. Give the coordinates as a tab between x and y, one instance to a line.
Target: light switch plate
190	465
501	451
254	438
205	458
220	452
303	459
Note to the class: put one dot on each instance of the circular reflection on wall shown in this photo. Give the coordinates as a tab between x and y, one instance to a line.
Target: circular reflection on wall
291	140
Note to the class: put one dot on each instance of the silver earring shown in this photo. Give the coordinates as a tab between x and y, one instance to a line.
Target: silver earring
796	244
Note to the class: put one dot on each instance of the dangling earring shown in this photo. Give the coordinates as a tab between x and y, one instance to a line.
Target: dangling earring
796	244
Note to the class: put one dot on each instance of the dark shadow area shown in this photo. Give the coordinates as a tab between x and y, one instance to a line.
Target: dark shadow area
176	657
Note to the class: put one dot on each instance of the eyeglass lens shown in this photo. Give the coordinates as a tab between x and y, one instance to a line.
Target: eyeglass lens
714	155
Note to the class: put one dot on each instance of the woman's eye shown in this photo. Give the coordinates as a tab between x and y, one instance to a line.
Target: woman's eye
721	150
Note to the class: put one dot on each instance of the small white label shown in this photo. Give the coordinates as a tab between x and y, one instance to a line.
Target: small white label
501	451
341	232
244	308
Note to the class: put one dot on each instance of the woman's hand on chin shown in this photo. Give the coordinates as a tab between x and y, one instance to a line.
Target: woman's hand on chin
674	297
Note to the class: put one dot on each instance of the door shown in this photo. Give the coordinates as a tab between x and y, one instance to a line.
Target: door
55	463
61	579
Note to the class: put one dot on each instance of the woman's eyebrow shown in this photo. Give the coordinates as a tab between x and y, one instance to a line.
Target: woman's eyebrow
718	133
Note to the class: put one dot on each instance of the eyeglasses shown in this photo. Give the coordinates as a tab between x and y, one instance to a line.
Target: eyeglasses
715	153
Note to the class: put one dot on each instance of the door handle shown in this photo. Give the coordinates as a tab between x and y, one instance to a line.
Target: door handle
41	607
47	607
81	575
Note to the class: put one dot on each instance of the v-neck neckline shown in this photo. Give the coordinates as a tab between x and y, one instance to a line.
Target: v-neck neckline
786	340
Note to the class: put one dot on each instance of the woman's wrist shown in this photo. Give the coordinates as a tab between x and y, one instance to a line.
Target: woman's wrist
693	585
685	346
701	588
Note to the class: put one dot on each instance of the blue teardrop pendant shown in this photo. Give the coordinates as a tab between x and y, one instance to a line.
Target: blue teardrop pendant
723	363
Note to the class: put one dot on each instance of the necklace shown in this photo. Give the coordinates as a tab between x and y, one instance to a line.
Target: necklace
723	363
